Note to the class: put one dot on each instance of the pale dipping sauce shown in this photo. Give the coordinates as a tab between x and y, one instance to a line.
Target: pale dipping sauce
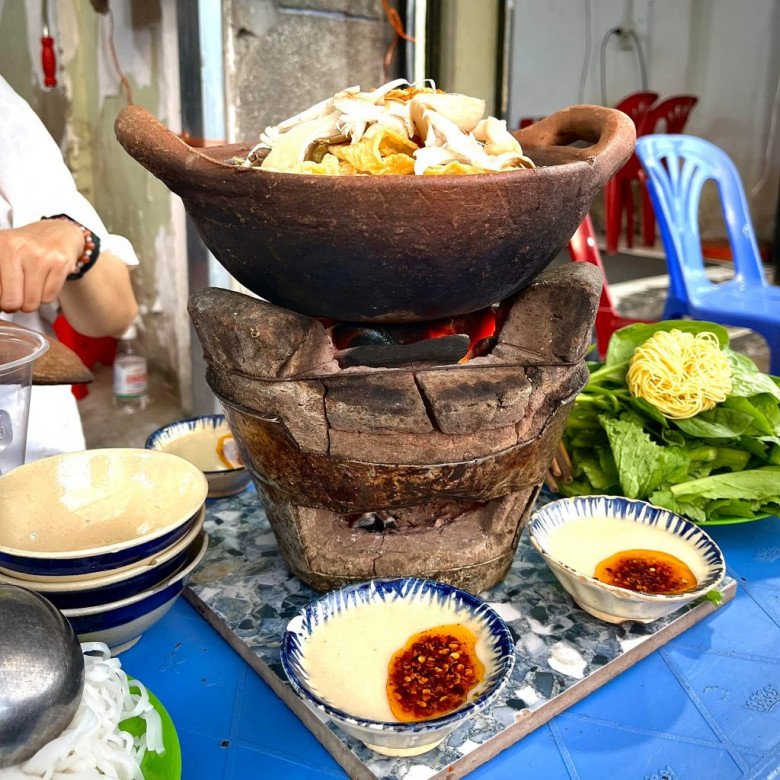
199	447
583	543
347	657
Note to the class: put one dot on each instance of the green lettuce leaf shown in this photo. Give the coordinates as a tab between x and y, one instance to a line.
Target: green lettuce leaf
642	465
760	423
646	409
769	408
731	507
665	499
719	423
753	485
747	380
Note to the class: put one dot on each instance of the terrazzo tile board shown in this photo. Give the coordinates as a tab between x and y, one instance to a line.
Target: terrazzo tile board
245	591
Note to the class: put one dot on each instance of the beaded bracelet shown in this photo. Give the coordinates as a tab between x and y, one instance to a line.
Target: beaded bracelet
91	252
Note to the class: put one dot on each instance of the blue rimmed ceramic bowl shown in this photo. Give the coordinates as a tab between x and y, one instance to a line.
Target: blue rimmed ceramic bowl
120	585
370	621
93	512
601	526
120	624
195	439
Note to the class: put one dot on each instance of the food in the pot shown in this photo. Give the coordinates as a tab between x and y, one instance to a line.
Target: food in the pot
646	571
397	129
433	673
630	432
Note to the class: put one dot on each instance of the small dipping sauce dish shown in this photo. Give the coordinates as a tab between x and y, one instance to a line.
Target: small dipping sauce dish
364	655
207	443
622	559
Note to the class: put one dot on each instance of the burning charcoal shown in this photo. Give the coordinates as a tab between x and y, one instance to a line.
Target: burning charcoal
413	332
446	350
345	336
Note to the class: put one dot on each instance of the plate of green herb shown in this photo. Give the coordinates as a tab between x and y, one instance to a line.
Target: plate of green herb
674	416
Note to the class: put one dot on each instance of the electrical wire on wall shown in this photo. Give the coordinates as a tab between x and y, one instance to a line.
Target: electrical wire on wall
622	32
395	21
123	80
770	142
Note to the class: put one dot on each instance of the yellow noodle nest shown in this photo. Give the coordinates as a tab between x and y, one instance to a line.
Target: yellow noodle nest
679	373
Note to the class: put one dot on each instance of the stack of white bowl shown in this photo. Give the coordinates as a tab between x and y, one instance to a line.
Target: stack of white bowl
110	537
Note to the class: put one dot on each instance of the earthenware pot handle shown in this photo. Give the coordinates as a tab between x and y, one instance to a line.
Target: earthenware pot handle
611	132
159	150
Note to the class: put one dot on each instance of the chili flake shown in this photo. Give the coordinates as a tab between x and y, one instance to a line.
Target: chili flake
646	571
433	673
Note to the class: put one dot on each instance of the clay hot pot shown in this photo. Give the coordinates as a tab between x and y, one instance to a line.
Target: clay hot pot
389	248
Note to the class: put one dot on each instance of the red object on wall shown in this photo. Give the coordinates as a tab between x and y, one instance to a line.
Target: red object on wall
583	249
618	194
48	61
90	350
670	115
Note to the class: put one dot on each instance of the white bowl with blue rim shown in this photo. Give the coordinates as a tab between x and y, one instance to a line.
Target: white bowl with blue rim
120	624
373	620
93	512
644	522
186	438
77	594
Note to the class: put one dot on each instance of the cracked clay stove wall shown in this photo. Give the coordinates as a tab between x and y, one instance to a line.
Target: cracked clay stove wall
416	471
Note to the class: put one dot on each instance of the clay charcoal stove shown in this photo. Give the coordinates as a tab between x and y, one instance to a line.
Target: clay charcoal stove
385	452
378	452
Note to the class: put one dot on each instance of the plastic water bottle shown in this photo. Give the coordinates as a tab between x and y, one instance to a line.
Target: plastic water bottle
131	382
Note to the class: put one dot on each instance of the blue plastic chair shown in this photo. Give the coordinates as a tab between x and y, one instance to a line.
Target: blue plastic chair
677	167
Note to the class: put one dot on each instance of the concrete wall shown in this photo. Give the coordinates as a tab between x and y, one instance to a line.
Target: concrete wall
283	56
80	114
722	51
469	49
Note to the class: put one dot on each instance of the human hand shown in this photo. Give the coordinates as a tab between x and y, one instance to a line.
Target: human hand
35	261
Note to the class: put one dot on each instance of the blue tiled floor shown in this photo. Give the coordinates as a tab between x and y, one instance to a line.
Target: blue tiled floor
742	696
600	751
537	754
265	722
648	698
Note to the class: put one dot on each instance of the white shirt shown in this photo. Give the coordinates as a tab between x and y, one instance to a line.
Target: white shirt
35	183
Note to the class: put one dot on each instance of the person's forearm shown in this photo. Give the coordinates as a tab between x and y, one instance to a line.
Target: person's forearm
102	302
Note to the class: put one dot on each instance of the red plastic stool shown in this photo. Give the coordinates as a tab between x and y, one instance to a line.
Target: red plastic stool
618	196
583	249
90	350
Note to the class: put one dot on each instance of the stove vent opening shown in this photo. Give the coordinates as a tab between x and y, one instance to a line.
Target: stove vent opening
413	519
